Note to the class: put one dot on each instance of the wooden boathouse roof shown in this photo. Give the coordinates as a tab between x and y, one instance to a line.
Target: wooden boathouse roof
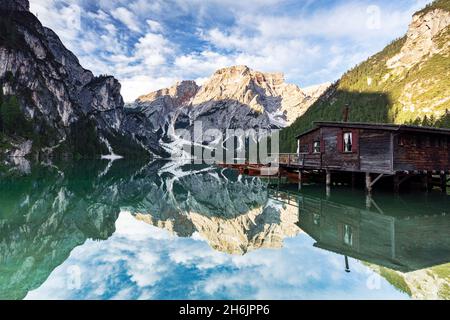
376	126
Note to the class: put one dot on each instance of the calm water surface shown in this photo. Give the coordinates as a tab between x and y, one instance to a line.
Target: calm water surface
128	230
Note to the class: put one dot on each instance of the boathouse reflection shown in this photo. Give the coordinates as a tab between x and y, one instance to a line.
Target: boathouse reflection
405	233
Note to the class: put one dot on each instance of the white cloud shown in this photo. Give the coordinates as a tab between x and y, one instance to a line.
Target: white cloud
203	63
153	50
309	45
155	26
134	263
136	86
65	20
127	18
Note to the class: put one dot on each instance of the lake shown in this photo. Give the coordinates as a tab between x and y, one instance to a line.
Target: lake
164	230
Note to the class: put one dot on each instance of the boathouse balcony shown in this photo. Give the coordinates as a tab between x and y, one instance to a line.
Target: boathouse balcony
301	160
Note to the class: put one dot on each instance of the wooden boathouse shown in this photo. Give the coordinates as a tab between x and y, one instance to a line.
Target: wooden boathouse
371	153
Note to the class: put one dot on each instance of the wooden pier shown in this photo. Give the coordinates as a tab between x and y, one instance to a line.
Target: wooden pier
367	155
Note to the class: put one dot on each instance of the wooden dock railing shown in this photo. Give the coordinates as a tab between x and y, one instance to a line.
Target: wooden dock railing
292	158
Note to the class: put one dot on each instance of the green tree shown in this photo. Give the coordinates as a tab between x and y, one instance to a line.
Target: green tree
12	120
426	121
1	107
417	122
11	115
444	121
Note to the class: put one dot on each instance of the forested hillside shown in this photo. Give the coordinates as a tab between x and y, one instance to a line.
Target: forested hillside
407	82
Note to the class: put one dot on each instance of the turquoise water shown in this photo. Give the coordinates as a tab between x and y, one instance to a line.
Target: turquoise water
130	230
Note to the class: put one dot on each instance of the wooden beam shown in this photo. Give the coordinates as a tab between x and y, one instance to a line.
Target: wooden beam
376	206
377	179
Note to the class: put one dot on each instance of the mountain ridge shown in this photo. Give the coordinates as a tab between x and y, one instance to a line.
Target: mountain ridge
50	105
235	97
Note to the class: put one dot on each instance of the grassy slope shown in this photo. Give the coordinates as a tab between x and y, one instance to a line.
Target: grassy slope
438	276
374	93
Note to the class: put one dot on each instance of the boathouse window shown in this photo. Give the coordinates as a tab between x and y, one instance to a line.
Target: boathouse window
348	142
348	235
316	219
316	148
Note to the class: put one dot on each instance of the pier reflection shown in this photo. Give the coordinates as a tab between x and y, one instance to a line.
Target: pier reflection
406	233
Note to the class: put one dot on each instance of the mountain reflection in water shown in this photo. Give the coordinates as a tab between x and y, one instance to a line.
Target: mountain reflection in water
100	230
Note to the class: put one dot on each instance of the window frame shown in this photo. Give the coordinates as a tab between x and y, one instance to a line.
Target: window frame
317	147
344	143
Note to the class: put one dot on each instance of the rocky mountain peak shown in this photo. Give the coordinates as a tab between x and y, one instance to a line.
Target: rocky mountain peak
236	97
234	70
15	5
261	92
421	38
244	73
181	93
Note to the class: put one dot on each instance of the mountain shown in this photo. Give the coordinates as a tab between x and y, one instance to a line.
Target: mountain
426	284
50	105
233	214
45	217
407	82
55	208
233	98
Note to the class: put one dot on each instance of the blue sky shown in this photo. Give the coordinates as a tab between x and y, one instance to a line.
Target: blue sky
143	262
149	45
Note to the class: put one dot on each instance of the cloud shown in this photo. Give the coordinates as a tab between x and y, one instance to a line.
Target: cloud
143	262
155	26
146	44
127	18
137	86
153	50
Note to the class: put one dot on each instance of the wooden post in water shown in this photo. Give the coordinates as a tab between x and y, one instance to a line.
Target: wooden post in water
368	182
300	180
424	179
328	183
396	183
347	265
444	183
279	180
368	201
430	181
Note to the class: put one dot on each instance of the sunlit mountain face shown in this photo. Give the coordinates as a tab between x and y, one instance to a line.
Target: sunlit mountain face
164	230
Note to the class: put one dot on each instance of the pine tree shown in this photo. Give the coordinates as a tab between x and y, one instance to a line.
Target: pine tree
1	107
10	114
444	121
12	119
432	120
425	121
